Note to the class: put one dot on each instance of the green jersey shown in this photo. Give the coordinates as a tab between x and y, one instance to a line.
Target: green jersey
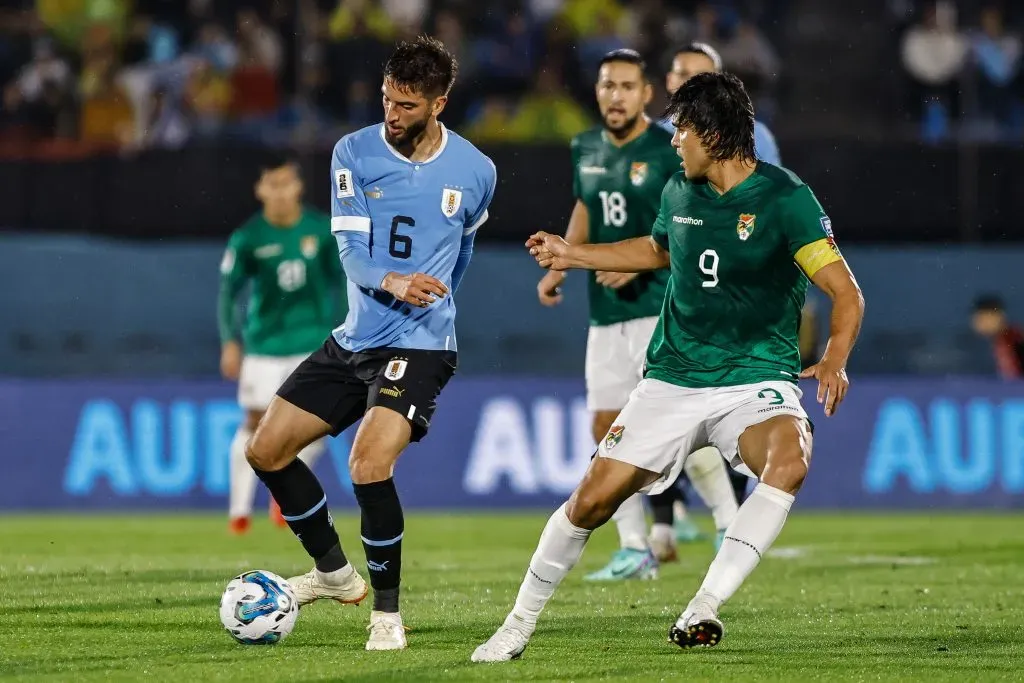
740	264
298	287
621	188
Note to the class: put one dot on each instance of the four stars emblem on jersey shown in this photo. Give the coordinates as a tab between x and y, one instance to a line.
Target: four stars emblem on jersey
745	226
451	200
638	173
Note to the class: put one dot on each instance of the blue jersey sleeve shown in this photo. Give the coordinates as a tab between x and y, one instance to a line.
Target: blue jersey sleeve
350	219
765	147
473	223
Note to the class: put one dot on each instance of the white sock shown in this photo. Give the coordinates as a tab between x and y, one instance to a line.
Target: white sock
560	547
710	480
243	479
338	576
631	522
755	528
679	510
311	453
663	534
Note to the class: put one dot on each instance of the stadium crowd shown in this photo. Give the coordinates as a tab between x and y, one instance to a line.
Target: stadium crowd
89	75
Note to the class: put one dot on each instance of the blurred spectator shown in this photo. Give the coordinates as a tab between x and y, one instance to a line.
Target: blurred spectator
352	18
589	18
208	98
933	55
749	55
493	123
214	46
168	127
259	40
40	98
989	320
997	56
106	120
548	113
253	86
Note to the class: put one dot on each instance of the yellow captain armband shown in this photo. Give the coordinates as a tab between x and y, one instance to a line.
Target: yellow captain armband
814	256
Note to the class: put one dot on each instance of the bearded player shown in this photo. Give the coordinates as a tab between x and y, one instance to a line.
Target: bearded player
408	196
287	256
723	363
619	171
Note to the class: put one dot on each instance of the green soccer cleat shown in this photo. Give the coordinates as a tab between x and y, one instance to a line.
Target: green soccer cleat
687	531
627	563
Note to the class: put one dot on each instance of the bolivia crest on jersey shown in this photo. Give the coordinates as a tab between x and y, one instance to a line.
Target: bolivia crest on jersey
745	225
451	200
614	436
638	173
309	245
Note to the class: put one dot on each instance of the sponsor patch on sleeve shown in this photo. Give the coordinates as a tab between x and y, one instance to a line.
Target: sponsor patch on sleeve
343	183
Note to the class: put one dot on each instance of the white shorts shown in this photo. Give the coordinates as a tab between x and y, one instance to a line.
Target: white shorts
615	361
261	377
663	423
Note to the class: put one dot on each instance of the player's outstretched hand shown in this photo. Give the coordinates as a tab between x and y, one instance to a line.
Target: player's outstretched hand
549	250
549	288
418	289
614	280
231	360
832	383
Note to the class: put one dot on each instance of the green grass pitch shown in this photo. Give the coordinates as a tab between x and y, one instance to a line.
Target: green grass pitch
843	597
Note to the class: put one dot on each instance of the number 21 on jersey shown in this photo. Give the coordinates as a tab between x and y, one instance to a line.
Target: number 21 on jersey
613	206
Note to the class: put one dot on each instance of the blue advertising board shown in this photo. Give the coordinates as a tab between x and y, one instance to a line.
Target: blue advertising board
495	443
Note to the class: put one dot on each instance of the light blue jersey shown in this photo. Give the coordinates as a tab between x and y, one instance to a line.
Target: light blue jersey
390	214
765	147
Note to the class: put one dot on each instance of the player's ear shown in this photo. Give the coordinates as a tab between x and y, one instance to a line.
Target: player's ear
438	105
648	92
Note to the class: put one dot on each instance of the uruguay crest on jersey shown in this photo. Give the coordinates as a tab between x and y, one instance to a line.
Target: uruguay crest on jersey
638	173
745	225
451	200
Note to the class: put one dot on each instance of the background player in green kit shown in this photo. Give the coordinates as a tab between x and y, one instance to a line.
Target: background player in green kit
723	363
289	257
619	170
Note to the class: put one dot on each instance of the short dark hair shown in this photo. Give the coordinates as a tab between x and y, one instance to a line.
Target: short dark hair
717	108
697	48
275	160
424	65
625	55
989	302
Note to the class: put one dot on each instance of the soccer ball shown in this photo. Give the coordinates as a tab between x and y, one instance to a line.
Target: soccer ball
258	608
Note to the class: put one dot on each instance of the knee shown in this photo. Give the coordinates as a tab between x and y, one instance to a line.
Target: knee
365	468
786	469
266	453
588	510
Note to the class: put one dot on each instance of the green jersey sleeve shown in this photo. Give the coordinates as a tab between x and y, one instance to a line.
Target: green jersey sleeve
808	231
235	271
660	229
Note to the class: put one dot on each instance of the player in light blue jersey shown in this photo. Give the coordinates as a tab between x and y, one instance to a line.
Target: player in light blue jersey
698	58
407	198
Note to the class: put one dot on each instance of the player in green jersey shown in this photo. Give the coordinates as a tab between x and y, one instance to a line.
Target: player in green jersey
619	170
288	257
723	363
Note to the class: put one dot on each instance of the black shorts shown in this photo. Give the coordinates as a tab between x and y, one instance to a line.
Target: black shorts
339	386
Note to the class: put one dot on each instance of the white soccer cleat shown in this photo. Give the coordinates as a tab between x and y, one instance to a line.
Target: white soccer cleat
348	588
386	632
697	626
507	643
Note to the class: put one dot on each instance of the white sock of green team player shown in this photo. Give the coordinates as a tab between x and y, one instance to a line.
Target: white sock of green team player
710	479
757	525
243	481
631	523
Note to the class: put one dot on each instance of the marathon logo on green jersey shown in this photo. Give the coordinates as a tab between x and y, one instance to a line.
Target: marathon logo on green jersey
687	220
